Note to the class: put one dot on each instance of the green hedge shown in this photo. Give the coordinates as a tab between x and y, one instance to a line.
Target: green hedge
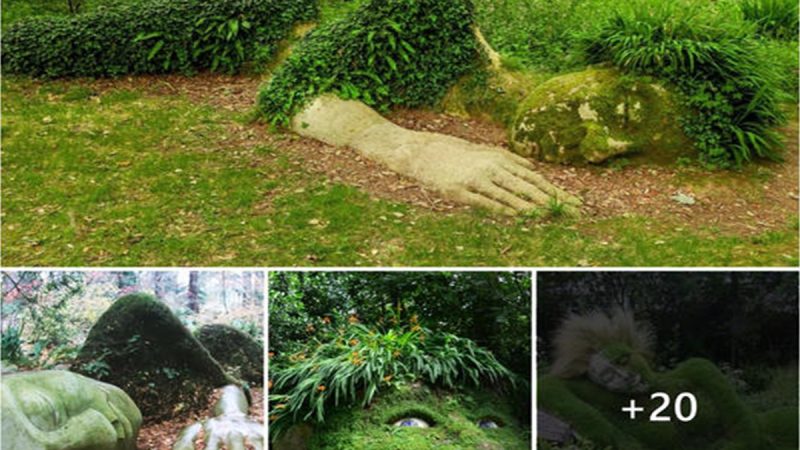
385	53
153	36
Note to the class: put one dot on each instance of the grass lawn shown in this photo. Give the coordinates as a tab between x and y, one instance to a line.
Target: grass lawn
123	177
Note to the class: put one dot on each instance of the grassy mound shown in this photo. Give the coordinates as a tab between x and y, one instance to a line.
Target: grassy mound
140	346
237	352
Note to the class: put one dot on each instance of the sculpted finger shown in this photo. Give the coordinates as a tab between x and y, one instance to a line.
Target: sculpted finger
475	199
524	162
257	443
236	443
544	185
214	442
505	196
519	186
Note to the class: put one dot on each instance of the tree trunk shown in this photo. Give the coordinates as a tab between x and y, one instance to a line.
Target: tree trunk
193	296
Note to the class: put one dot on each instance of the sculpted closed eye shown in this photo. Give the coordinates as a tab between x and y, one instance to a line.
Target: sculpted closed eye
412	422
487	424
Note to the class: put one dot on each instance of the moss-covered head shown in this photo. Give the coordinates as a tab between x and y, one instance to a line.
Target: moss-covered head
455	419
597	114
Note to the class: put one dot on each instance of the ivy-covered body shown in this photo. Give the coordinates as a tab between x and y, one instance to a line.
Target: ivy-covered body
152	36
385	53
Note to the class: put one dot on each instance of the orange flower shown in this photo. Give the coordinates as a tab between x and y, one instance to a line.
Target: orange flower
269	384
326	320
416	328
271	354
353	342
353	318
321	388
388	378
280	406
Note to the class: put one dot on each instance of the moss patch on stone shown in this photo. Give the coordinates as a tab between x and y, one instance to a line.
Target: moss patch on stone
140	346
238	353
597	114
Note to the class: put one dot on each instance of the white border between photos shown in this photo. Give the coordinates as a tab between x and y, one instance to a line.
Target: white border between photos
532	270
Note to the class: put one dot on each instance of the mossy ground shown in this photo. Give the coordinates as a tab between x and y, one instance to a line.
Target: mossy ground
125	176
453	418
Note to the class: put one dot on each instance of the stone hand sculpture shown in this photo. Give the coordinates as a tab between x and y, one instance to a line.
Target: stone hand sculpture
54	409
474	174
230	428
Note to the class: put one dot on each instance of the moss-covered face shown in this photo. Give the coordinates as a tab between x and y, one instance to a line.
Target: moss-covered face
60	409
619	369
419	418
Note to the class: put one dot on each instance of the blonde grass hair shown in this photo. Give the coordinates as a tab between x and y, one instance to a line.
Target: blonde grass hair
582	335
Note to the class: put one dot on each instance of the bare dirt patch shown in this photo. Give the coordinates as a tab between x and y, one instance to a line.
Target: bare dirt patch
759	198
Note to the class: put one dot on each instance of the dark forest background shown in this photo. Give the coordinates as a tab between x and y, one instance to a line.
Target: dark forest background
491	308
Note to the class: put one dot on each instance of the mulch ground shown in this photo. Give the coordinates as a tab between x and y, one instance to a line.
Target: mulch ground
161	435
759	198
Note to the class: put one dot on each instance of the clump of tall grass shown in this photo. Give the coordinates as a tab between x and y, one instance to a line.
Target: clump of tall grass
732	93
359	362
776	19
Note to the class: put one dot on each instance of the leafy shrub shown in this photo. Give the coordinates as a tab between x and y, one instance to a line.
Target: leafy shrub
401	52
358	362
773	18
732	93
11	344
153	36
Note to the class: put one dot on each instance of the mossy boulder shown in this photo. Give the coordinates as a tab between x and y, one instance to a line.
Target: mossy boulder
238	353
597	114
57	409
139	345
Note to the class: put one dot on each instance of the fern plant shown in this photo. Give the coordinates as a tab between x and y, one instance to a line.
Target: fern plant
733	95
359	362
